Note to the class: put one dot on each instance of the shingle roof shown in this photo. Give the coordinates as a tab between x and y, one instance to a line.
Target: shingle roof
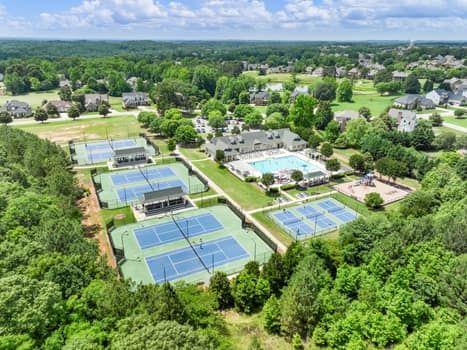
129	150
165	193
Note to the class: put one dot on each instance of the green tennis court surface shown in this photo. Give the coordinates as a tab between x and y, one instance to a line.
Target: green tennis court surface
189	246
124	187
313	218
95	152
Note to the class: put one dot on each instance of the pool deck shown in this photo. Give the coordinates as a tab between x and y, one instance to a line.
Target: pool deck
243	167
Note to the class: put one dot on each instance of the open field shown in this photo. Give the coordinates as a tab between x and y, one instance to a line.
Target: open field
35	99
247	195
86	129
192	153
453	120
116	103
375	102
442	129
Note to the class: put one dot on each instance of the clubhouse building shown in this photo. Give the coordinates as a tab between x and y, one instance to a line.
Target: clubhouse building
256	141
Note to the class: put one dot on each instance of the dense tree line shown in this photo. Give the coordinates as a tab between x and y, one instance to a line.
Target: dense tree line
391	280
56	292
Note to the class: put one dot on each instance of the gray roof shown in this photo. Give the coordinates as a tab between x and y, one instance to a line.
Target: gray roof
95	98
346	115
407	99
154	196
247	140
402	113
16	107
134	95
129	150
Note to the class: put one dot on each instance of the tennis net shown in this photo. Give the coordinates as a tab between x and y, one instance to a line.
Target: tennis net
146	178
335	209
191	245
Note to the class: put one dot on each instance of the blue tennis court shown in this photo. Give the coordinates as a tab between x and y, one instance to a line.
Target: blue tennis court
183	262
101	151
136	192
329	205
137	175
286	217
344	215
308	211
169	231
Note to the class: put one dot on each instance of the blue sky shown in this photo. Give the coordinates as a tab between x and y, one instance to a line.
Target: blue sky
235	19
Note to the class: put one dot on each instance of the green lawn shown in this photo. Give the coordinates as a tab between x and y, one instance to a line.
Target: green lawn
376	103
86	129
201	195
193	153
121	216
247	195
452	120
441	129
116	103
162	144
35	99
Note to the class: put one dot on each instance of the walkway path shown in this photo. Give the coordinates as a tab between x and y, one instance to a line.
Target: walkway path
443	112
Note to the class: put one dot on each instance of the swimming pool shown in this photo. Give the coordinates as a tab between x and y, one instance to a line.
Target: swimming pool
274	165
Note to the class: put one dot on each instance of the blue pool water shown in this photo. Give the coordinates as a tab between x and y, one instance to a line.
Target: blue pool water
284	163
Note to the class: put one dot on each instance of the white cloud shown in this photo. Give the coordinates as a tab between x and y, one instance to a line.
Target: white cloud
254	14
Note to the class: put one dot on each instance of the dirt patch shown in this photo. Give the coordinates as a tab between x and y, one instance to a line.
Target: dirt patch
92	222
388	192
120	216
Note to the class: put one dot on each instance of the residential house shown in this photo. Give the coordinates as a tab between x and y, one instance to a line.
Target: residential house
92	101
17	109
343	117
64	83
354	73
406	120
414	101
61	106
399	76
341	72
318	72
135	99
260	98
299	90
275	87
457	99
438	96
255	141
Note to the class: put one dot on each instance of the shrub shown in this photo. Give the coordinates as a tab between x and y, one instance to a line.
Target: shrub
287	187
373	200
251	178
459	114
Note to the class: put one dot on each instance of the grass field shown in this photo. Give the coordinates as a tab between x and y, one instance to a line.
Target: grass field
459	122
246	194
120	216
34	98
376	103
86	129
116	103
192	153
441	129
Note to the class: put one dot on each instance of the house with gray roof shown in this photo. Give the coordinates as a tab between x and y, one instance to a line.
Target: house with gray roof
399	76
406	120
135	99
299	90
343	117
92	101
457	99
255	141
17	109
61	106
260	98
438	96
413	101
